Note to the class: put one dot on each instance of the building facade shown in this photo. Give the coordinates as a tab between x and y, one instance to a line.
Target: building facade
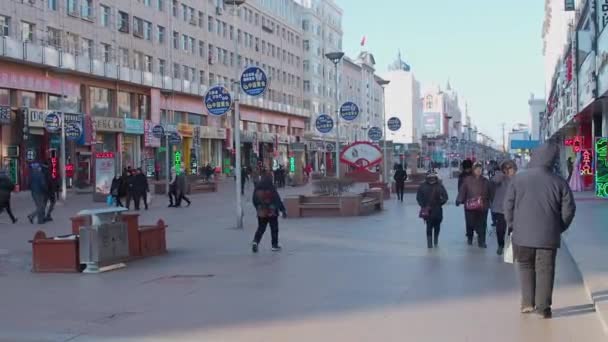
118	68
537	110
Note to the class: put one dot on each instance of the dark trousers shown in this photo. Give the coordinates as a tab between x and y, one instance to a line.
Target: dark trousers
400	187
501	229
132	195
477	222
172	197
537	275
433	227
180	197
118	202
40	202
7	206
274	229
143	196
52	200
243	186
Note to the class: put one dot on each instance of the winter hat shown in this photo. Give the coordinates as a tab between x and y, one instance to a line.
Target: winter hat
467	164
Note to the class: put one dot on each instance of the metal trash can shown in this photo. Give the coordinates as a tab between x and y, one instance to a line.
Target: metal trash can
104	244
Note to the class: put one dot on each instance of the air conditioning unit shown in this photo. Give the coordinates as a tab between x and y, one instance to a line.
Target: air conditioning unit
219	10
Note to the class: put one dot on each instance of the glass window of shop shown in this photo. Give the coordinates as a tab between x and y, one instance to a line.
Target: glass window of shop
71	104
124	105
106	142
143	106
28	99
131	151
5	97
101	100
195	119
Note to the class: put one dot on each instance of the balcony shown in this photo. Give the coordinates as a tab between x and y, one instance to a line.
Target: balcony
49	56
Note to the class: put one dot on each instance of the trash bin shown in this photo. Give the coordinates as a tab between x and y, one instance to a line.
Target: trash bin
105	243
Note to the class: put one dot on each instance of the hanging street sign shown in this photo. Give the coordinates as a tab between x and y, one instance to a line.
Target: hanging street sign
158	131
349	111
52	122
394	124
218	100
324	123
175	138
329	147
73	131
374	134
254	81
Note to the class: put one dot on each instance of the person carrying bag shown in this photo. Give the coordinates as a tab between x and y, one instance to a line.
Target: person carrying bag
431	197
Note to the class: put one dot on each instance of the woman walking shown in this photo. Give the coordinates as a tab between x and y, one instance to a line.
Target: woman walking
431	197
268	205
500	183
400	177
475	194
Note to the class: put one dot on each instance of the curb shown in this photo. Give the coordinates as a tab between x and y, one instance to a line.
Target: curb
601	309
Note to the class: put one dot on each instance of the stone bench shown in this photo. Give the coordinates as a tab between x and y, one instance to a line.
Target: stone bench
334	206
200	186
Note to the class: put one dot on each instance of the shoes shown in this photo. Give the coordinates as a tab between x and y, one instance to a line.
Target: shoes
429	242
189	204
15	221
527	309
483	245
546	313
31	218
470	241
48	219
254	247
276	248
500	250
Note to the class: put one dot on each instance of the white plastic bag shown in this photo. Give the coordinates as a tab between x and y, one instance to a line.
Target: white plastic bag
508	255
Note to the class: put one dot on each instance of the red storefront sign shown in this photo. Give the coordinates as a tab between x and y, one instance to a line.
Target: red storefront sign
69	170
104	155
586	167
54	168
575	142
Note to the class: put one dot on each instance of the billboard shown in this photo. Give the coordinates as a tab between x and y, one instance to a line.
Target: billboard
431	124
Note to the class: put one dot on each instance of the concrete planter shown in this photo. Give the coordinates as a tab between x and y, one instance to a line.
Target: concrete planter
335	206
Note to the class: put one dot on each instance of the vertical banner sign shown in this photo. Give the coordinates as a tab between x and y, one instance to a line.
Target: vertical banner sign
177	162
104	172
586	167
601	167
569	5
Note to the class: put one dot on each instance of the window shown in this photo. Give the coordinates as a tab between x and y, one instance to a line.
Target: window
201	77
174	8
54	37
218	26
210	24
192	45
27	31
124	57
86	46
148	63
306	85
5	97
211	79
148	3
175	40
86	9
176	70
160	5
306	44
124	104
201	17
105	16
52	5
184	42
147	30
72	7
5	26
201	49
185	12
138	27
162	67
106	52
100	101
161	34
123	22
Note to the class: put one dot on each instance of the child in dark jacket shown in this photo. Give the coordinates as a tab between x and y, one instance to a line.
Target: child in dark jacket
268	205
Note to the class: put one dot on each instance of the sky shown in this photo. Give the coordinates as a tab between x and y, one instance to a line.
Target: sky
490	50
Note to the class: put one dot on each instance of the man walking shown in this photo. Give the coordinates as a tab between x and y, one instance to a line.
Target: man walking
39	189
141	188
539	207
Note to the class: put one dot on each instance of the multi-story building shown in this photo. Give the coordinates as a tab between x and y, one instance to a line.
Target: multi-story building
121	67
537	109
403	101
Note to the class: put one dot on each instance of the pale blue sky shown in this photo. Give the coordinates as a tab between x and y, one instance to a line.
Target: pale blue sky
491	50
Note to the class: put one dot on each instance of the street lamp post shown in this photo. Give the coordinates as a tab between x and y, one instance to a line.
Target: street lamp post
237	120
383	84
336	57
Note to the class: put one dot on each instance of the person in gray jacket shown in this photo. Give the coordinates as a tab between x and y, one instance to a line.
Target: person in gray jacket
539	207
500	183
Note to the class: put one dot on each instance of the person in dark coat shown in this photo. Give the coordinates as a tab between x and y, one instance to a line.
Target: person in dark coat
39	189
467	170
115	189
400	178
141	188
124	187
476	195
244	178
431	197
268	205
173	189
131	190
53	187
6	188
539	206
181	189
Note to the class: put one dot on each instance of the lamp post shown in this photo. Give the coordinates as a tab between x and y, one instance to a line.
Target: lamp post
336	57
237	120
383	84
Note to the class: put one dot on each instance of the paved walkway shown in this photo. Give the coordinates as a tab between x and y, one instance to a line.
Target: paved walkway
343	279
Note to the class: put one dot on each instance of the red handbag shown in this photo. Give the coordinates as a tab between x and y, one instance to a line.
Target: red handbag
475	203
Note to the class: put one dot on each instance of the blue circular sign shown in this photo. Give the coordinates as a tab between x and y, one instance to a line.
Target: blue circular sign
218	100
349	111
394	124
175	138
158	131
254	81
52	122
73	131
374	134
324	123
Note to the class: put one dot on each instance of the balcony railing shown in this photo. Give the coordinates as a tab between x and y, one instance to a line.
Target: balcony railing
51	57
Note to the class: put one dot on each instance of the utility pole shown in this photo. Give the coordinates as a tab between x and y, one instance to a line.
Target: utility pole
504	146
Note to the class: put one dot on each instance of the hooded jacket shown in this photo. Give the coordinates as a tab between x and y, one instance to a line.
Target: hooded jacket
539	205
267	200
434	196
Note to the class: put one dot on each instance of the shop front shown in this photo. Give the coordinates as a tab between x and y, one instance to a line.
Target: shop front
131	143
186	131
151	146
212	139
108	133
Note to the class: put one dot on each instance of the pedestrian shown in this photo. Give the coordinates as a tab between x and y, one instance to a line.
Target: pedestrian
53	188
570	166
141	188
115	189
157	171
475	194
539	206
466	170
400	177
132	190
181	189
281	176
39	189
124	187
431	197
500	183
268	205
173	189
6	188
244	178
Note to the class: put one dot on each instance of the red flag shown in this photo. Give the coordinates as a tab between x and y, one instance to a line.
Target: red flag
363	41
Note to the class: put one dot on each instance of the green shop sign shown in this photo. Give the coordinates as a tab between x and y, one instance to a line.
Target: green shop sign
601	167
